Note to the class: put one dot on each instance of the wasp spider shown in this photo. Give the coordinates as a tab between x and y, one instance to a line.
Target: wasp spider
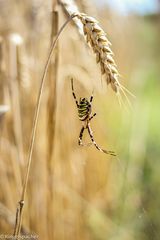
85	115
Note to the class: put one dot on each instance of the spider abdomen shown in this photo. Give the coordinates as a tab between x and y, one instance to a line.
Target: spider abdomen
84	109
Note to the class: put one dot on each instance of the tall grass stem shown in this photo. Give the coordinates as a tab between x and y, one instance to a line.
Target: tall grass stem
20	206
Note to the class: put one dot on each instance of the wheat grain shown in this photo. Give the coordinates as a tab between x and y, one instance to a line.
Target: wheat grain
98	41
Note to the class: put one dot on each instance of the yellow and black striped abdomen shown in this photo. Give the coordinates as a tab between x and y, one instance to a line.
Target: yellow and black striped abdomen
84	109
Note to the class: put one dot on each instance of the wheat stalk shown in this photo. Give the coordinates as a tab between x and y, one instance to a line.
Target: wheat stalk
8	216
69	7
20	206
14	41
52	94
51	119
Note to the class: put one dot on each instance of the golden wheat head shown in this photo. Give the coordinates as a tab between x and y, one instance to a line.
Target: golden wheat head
97	39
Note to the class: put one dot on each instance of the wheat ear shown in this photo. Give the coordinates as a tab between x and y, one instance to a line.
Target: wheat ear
97	39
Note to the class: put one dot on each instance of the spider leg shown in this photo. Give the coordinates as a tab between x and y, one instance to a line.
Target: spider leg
73	93
80	136
92	116
95	144
91	98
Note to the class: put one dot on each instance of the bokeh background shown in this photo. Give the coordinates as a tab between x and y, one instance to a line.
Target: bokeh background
75	192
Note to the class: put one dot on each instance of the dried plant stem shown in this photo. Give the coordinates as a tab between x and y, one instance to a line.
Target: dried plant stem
69	7
15	99
19	211
7	215
51	122
52	95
